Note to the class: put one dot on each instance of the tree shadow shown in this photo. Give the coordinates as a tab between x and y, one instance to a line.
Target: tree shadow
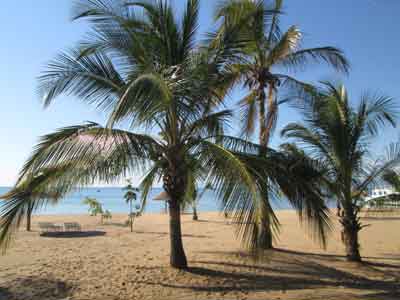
167	233
5	294
381	296
322	256
72	234
226	222
283	271
340	257
36	288
246	281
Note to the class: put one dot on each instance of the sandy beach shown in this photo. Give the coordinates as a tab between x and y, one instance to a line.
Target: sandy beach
110	262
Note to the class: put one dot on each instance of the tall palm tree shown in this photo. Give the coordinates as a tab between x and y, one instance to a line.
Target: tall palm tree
130	196
339	136
270	57
142	66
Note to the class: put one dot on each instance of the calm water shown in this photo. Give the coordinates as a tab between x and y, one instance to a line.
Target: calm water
113	200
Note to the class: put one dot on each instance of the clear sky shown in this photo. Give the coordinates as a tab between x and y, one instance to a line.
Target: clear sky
32	32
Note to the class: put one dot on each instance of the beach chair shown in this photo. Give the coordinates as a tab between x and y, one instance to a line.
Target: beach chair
49	227
72	226
44	227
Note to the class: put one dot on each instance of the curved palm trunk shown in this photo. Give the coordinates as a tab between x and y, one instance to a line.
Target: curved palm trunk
177	256
264	239
351	227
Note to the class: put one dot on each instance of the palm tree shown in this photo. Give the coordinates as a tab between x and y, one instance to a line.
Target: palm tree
269	54
146	70
95	207
196	198
392	179
130	196
339	136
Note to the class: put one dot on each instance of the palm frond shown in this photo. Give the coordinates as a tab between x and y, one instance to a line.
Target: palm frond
143	101
275	33
380	111
248	113
152	176
210	125
234	185
391	178
189	27
108	153
92	78
377	173
285	47
330	55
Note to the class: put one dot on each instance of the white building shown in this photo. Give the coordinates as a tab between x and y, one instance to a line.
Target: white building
379	193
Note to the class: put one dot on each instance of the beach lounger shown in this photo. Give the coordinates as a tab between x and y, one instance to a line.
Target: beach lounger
49	227
72	226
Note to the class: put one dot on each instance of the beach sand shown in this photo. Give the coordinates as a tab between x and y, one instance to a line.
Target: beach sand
113	263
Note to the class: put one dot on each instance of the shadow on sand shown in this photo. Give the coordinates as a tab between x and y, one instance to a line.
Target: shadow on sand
283	271
35	288
163	233
71	234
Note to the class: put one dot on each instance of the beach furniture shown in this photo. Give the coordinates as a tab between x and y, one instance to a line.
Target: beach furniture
49	227
72	226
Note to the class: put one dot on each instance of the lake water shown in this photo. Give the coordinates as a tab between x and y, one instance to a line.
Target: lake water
112	198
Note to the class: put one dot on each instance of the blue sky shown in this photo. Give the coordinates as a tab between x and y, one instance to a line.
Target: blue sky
32	32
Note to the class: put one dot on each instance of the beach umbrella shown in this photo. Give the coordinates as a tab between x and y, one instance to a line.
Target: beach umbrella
163	196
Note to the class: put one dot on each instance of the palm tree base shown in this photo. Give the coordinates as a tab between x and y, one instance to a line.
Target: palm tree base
353	257
177	257
264	240
350	239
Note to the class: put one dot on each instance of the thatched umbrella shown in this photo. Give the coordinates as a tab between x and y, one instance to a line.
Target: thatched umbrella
163	196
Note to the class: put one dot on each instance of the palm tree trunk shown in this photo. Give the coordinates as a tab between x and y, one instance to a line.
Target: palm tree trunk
262	119
130	215
264	239
270	121
29	217
174	180
339	209
177	256
265	232
351	227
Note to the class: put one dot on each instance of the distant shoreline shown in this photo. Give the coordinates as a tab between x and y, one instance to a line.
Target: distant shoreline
112	199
